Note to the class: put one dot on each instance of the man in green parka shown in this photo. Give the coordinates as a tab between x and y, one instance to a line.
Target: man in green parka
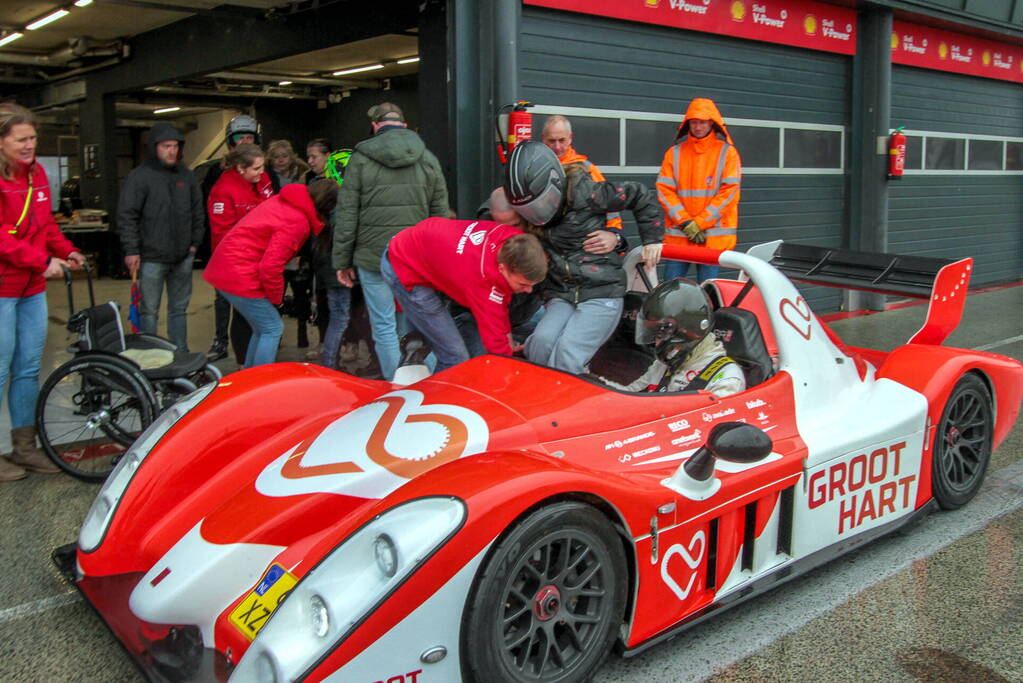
392	182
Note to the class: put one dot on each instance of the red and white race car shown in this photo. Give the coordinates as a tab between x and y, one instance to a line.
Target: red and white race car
506	522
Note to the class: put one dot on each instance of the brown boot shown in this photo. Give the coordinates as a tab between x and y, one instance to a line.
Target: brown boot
26	454
11	472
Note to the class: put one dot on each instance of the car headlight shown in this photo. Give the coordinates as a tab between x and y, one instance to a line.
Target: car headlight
347	585
94	528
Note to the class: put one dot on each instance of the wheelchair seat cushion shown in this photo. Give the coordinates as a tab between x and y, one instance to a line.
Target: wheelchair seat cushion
149	359
181	363
739	330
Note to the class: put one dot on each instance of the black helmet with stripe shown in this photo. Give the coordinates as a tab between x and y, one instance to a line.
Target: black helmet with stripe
534	182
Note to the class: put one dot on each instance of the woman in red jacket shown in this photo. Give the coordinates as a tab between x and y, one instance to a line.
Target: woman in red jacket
31	249
247	266
241	187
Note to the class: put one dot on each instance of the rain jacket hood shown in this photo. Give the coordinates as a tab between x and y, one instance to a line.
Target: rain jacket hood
393	147
702	108
161	132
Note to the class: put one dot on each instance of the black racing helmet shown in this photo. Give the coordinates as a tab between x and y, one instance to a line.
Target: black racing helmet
534	182
675	317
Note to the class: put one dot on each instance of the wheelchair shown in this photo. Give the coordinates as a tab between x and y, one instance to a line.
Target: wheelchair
93	407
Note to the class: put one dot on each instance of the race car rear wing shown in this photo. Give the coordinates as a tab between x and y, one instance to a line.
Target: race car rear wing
942	281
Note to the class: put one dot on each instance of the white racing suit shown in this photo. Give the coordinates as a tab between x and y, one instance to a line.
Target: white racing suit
707	362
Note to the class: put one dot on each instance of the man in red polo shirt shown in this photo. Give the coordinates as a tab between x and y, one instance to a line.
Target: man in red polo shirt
478	264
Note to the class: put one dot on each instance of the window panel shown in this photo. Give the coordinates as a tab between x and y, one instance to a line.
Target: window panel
945	154
758	147
646	141
985	155
812	149
1014	156
914	152
594	137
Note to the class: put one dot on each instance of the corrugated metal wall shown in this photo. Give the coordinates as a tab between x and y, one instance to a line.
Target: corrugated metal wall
577	60
955	214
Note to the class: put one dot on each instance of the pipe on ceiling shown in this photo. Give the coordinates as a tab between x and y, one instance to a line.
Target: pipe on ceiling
302	80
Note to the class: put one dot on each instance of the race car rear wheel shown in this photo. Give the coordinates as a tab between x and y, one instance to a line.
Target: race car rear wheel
962	444
548	603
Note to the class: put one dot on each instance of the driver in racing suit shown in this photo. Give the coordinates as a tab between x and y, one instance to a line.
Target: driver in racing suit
676	319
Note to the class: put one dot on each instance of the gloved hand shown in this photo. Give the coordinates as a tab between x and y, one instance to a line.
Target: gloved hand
693	233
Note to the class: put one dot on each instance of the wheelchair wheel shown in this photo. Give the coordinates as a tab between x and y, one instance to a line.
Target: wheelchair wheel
89	412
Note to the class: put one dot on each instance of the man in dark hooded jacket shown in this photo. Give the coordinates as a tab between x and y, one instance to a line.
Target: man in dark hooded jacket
392	182
160	218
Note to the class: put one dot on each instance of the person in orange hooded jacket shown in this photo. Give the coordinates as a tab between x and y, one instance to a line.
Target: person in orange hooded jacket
698	186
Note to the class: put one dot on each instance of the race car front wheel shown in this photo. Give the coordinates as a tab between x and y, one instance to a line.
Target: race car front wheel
550	598
962	444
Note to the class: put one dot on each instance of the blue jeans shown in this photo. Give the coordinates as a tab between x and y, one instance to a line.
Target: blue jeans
674	269
428	312
382	319
569	334
267	328
178	278
339	301
22	338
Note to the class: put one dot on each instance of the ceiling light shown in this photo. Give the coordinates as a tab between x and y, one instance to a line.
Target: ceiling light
284	83
409	60
83	3
166	110
49	18
371	67
10	38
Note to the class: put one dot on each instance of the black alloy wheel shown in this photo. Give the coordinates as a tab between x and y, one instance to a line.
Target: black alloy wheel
962	443
548	604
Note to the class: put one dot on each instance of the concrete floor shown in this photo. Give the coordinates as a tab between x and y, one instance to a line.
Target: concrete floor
939	601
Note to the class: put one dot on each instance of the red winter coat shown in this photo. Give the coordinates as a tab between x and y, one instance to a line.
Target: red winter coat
250	259
231	198
459	258
25	251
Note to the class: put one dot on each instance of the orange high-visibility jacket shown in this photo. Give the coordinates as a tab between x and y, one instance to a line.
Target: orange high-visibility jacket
699	181
614	221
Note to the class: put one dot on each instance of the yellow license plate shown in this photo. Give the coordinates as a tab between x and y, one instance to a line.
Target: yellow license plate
254	611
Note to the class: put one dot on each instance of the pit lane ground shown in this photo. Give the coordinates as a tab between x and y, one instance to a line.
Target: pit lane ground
941	600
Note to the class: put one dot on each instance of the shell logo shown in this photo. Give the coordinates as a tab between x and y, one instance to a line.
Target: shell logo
943	50
810	25
895	40
738	11
986	58
651	3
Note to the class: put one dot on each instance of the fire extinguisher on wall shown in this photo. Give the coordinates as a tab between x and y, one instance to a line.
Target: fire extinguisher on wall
896	153
520	127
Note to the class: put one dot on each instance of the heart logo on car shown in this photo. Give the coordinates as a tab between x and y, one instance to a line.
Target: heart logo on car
797	314
690	556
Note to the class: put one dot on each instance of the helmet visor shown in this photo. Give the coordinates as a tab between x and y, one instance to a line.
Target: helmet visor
541	209
652	331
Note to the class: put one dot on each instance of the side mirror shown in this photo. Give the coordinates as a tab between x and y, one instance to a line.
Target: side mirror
733	441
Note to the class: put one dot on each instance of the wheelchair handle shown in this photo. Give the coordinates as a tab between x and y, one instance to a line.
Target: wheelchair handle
70	292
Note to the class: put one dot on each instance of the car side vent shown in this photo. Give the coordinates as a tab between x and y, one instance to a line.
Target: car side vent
788	498
712	555
749	538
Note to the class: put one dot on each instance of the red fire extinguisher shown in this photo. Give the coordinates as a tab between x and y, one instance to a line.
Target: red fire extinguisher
896	153
520	128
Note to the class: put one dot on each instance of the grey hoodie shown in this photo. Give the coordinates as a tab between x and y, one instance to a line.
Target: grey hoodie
160	213
391	183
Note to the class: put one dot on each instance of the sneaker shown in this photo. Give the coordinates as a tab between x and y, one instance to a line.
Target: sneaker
314	353
217	351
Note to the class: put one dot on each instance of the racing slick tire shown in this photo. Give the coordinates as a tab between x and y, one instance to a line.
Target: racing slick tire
548	603
89	412
962	443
